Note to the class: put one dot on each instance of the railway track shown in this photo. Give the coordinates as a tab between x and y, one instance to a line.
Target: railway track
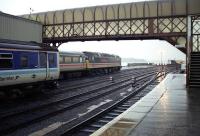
66	94
94	81
19	119
93	123
73	90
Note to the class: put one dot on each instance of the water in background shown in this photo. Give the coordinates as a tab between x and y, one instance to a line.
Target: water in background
125	62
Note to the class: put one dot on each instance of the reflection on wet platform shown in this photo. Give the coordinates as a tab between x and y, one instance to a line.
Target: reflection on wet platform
169	109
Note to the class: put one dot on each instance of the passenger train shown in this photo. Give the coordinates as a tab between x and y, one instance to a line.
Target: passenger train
78	63
29	64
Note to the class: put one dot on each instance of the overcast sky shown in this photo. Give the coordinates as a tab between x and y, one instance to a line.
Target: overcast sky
150	50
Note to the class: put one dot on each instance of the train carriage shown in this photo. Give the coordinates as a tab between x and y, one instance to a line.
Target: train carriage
27	63
72	64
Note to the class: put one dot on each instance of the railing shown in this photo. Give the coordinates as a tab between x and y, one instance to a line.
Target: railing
195	34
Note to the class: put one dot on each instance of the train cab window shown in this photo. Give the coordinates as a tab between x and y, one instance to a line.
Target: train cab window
6	61
24	61
81	59
43	60
52	60
92	58
75	59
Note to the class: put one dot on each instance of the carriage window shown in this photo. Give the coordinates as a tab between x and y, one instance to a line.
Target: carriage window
61	59
24	61
67	59
75	59
43	60
6	61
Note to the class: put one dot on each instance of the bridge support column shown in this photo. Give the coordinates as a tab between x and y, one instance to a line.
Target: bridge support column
150	26
188	48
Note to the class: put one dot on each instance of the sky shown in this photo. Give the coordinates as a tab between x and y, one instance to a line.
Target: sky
150	50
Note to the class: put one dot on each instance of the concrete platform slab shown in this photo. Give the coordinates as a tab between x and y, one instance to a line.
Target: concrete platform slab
168	110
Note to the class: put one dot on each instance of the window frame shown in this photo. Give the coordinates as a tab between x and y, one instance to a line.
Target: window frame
27	59
7	58
76	59
42	66
52	60
69	58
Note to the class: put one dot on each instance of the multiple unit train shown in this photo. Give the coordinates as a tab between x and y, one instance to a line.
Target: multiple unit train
25	64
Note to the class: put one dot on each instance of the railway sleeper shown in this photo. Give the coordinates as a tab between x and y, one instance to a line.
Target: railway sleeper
114	114
103	121
88	130
96	125
122	108
126	105
107	117
118	111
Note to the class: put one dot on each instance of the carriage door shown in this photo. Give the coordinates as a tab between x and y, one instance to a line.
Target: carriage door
52	66
43	65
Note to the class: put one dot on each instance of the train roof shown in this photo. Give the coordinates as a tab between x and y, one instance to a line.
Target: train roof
71	53
10	44
100	54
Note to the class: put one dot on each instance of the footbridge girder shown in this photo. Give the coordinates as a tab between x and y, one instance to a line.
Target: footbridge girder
163	19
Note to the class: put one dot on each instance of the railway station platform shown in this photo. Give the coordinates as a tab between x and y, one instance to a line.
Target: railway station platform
168	110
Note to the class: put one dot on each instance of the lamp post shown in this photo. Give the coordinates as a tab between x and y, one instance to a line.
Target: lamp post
31	10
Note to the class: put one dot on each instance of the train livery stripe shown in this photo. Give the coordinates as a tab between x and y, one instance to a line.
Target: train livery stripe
62	65
14	77
26	71
100	65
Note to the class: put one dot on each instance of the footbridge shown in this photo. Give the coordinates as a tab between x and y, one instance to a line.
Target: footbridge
176	21
163	19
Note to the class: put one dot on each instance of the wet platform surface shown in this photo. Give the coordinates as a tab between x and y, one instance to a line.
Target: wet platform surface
168	110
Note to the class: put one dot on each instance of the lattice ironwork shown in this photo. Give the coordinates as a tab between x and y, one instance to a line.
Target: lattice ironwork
179	25
48	31
100	28
58	31
138	27
196	34
124	27
133	28
112	28
78	29
68	30
88	29
165	25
